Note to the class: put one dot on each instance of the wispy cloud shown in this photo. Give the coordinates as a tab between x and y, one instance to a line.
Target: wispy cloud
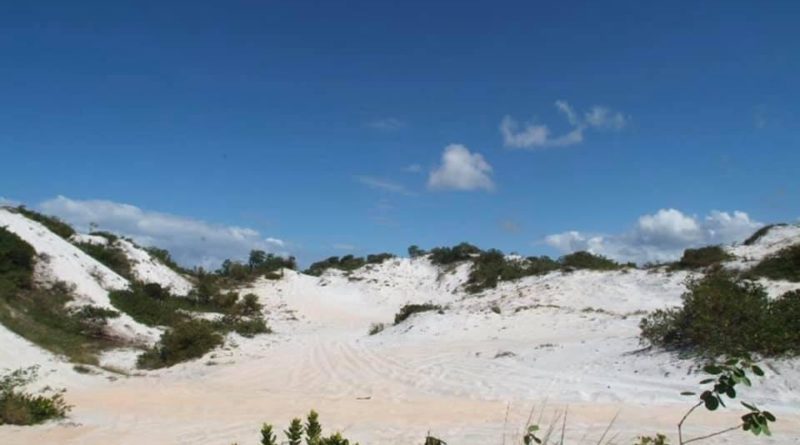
344	246
461	170
413	168
661	236
191	241
8	202
383	184
387	124
532	135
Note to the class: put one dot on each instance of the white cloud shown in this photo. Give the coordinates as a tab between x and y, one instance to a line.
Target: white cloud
382	184
532	135
461	170
662	236
387	124
191	241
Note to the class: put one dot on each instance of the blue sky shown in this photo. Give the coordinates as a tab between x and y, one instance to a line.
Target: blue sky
324	124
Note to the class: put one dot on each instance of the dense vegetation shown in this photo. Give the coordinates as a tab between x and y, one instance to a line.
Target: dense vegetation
259	264
52	223
701	258
723	314
18	407
40	314
185	340
758	234
782	265
111	256
492	266
346	263
449	255
152	305
411	309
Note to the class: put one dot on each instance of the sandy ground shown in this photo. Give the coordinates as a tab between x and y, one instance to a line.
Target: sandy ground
469	376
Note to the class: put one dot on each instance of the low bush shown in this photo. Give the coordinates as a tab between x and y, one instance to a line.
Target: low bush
346	263
723	314
758	234
782	265
52	223
587	260
376	328
18	407
411	309
16	260
186	340
259	264
449	255
246	327
166	259
701	258
110	256
492	266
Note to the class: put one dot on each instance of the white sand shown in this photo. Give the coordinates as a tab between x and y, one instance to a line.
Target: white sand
567	339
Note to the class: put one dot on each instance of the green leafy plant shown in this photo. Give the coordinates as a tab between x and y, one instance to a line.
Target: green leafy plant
725	377
313	428
267	436
295	432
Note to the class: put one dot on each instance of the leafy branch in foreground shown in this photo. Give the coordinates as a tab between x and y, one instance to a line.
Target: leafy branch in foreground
727	376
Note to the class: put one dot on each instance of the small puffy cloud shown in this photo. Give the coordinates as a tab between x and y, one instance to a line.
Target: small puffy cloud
383	184
461	170
191	241
532	135
387	124
662	236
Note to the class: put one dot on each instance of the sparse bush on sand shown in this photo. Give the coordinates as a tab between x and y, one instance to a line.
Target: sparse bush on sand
184	341
52	223
312	431
411	309
18	407
758	234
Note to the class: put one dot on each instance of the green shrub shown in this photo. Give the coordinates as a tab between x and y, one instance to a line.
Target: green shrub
165	258
449	255
726	315
586	260
246	327
759	234
702	257
492	266
415	252
16	260
110	256
185	341
782	265
20	408
411	309
52	223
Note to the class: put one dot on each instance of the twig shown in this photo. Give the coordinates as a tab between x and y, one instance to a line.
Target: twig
685	416
614	419
708	436
564	425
